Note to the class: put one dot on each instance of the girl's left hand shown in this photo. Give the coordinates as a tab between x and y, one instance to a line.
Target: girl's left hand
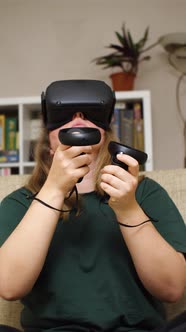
120	184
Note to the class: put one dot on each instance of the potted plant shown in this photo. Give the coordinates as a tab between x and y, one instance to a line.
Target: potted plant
127	56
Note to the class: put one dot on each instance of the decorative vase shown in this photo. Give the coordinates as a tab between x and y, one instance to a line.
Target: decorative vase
122	81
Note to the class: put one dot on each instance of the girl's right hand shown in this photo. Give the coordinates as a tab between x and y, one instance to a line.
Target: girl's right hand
68	165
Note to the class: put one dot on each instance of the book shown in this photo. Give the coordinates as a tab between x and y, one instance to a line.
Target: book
9	156
2	132
138	127
5	171
11	133
35	126
126	125
35	129
115	123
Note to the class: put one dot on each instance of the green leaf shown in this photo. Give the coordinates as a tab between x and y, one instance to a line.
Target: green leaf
127	53
120	38
143	40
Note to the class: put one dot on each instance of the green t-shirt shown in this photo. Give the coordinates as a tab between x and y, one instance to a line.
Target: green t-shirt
89	282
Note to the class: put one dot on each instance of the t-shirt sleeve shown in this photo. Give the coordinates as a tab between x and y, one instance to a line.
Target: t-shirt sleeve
12	209
158	205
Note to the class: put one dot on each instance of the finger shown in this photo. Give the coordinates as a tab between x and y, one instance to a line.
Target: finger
109	190
82	160
111	180
120	186
80	172
133	165
116	171
74	151
119	179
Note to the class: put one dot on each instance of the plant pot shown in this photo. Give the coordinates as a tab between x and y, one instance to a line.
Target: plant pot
122	81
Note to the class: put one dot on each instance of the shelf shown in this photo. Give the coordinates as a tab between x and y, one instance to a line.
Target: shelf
25	107
144	98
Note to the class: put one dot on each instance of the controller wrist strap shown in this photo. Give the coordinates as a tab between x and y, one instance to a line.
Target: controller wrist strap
136	225
34	197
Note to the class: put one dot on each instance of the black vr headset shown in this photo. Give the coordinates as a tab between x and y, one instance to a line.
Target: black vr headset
63	99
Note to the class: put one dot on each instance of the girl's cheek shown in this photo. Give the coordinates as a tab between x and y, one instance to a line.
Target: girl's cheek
102	135
54	140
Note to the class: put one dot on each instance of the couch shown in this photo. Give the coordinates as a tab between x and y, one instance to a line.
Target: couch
174	181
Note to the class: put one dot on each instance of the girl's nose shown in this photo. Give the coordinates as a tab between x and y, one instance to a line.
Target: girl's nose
78	115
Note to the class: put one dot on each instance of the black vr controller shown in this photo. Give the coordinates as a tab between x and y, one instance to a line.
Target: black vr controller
117	148
79	136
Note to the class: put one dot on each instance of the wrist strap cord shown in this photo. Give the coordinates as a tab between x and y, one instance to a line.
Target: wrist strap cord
105	199
136	225
33	197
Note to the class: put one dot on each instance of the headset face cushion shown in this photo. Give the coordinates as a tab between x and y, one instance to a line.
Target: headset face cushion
63	99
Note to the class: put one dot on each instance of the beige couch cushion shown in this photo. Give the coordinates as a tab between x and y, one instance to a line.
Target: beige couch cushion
10	183
10	313
174	181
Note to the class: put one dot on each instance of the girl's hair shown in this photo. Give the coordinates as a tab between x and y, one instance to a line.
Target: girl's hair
43	161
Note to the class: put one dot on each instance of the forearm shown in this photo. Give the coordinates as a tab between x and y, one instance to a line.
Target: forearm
160	268
23	254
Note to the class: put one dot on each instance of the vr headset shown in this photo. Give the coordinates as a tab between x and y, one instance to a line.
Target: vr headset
63	99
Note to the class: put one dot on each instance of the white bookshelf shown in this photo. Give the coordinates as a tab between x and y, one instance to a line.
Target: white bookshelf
23	108
145	98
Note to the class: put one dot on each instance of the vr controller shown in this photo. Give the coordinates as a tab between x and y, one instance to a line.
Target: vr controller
79	136
117	148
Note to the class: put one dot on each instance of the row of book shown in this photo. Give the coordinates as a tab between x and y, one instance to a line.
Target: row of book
8	171
127	124
9	149
5	171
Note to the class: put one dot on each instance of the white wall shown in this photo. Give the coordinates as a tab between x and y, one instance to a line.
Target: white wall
46	40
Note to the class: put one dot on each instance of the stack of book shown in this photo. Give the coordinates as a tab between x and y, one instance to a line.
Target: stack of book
127	123
9	150
35	128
